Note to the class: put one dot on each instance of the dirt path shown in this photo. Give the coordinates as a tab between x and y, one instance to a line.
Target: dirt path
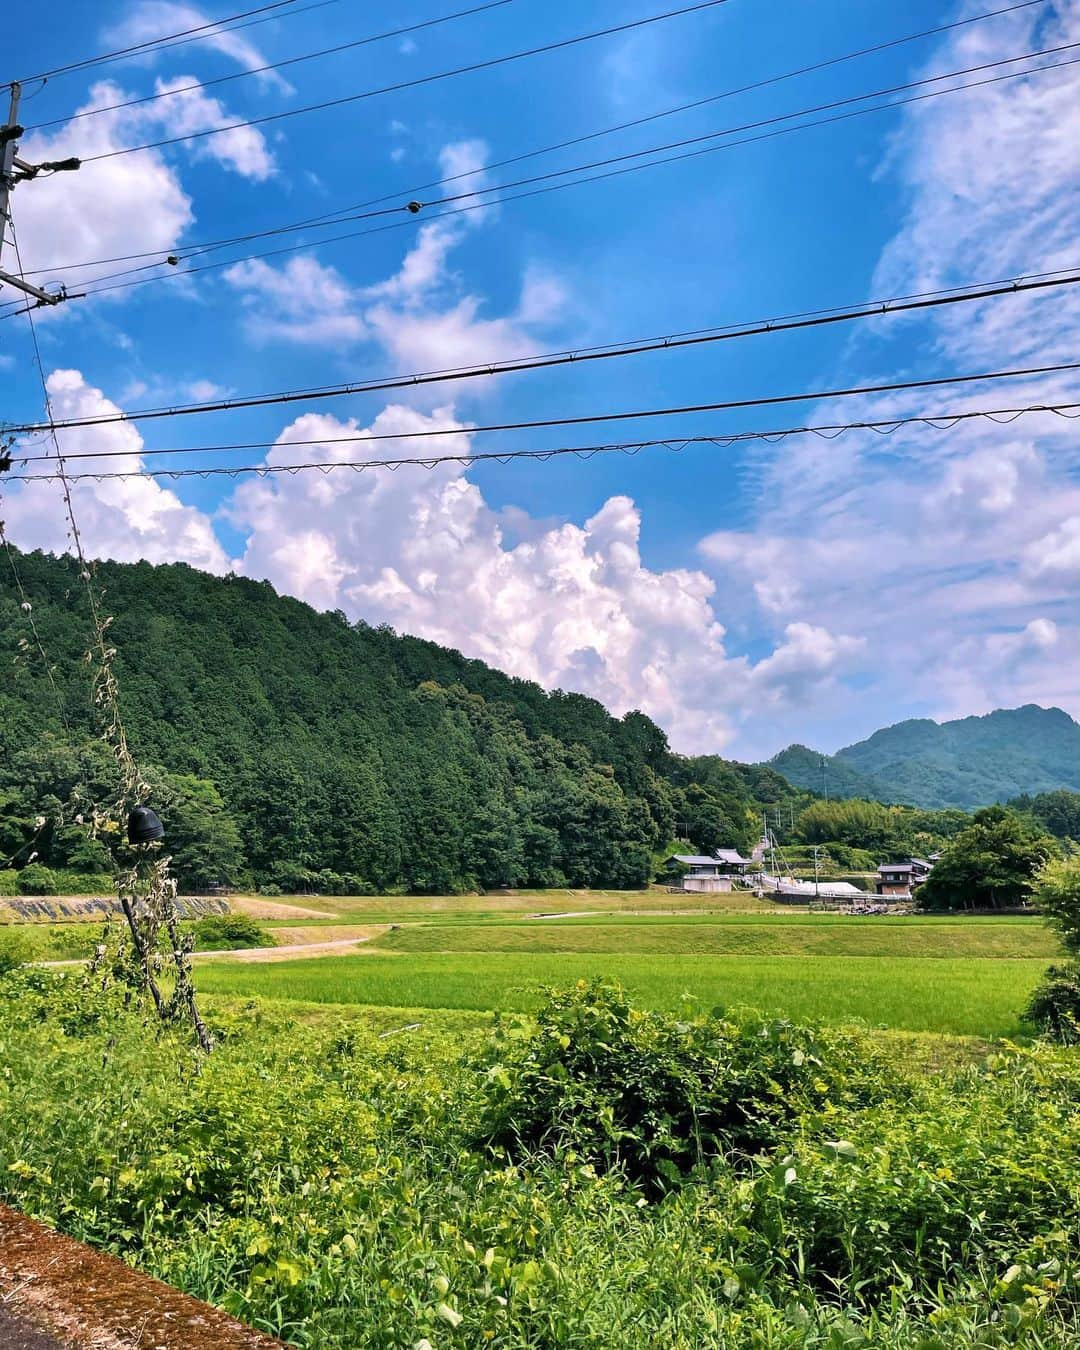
56	1294
286	953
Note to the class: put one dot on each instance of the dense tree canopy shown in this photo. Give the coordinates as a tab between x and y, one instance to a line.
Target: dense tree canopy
290	748
1057	812
989	865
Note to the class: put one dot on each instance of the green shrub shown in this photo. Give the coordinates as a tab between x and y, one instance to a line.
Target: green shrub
1055	1004
316	1178
38	880
654	1095
221	932
270	888
15	949
70	882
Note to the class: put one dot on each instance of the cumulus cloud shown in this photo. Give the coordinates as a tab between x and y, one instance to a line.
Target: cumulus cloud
568	605
421	315
115	206
1056	554
125	519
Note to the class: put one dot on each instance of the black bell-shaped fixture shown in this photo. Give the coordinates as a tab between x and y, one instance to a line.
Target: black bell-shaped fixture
144	826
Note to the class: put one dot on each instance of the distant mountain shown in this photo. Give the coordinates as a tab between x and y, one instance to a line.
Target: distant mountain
967	763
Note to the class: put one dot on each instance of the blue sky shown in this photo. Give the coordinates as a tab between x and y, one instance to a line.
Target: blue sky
744	598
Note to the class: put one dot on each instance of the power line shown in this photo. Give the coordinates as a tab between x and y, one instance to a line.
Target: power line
287	61
556	187
585	419
412	84
876	309
216	29
142	47
329	218
829	431
680	108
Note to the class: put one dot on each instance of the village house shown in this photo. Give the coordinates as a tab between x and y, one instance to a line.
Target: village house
708	872
902	878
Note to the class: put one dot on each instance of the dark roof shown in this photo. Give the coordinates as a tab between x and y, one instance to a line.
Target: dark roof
896	867
692	859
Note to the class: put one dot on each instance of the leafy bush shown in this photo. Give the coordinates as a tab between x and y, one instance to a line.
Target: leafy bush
223	932
1055	1004
318	1181
15	949
38	880
654	1095
269	888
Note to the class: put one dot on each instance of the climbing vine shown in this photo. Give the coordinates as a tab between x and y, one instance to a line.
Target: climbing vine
154	943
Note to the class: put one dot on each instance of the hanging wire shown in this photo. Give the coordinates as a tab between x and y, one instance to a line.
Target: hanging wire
725	439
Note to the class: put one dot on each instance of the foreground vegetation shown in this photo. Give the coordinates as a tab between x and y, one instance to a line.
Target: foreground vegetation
603	1177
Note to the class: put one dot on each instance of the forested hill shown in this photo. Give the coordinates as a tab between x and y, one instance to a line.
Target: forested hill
295	749
971	762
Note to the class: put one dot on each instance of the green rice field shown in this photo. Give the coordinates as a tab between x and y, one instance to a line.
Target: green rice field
962	996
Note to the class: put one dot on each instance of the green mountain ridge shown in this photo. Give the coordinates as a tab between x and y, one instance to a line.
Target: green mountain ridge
315	753
967	763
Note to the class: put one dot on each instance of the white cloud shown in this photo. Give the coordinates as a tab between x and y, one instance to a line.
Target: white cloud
133	203
152	19
1056	554
189	110
303	301
420	314
568	605
125	519
939	547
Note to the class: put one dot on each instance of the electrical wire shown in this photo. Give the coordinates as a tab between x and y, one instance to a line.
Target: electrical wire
174	272
413	84
330	218
216	30
287	61
873	310
141	48
830	431
28	612
585	419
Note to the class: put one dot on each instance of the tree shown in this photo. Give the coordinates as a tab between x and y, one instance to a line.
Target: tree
1057	812
1057	894
201	835
1055	1003
990	865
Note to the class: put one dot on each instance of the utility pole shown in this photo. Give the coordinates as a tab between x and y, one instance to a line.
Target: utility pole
15	170
817	886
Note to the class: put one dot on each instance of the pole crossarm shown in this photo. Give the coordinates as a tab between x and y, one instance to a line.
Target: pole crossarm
15	170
